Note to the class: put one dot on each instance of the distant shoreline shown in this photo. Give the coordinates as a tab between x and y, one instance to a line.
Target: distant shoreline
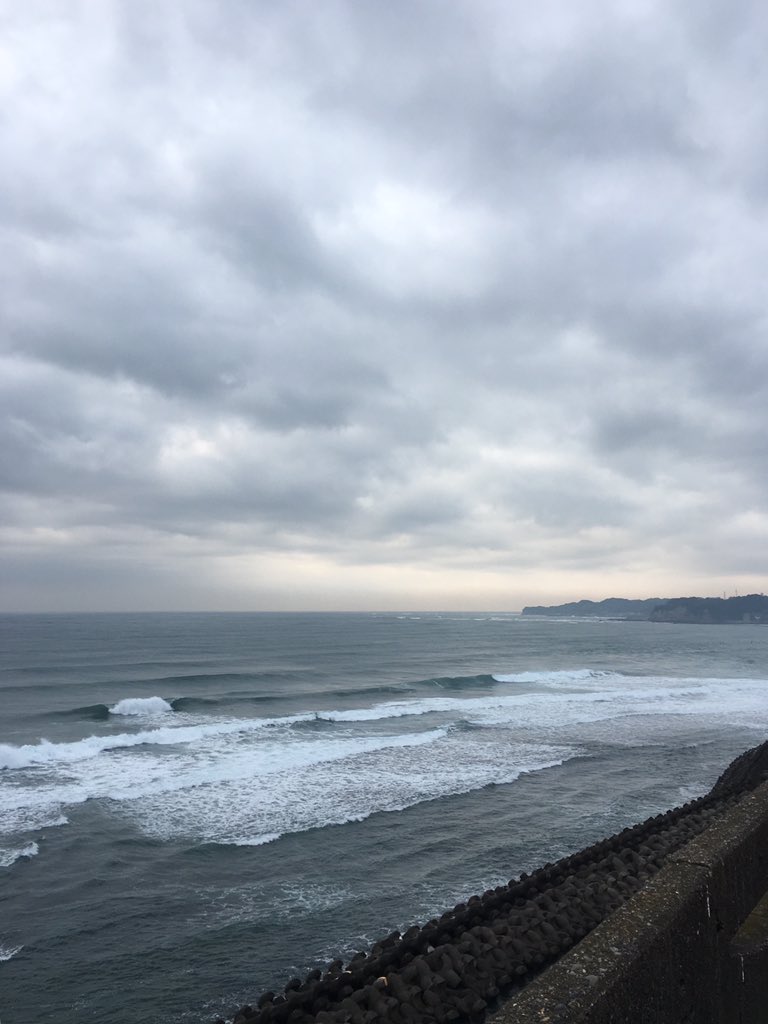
751	609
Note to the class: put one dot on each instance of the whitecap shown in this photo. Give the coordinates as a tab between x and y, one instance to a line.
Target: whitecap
7	952
562	676
9	857
46	753
268	837
141	706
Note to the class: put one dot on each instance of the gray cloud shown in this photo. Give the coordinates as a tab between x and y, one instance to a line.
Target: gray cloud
402	304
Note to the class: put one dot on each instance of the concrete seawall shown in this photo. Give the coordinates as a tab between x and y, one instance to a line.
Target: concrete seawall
691	946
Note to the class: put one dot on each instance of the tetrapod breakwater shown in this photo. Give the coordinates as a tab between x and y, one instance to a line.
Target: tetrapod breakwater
671	905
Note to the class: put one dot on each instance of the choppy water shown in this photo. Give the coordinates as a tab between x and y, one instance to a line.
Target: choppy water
195	807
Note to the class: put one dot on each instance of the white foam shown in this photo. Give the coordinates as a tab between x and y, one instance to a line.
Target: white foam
141	706
393	709
46	753
283	902
566	676
392	777
248	781
7	952
691	792
505	708
28	810
270	837
131	775
9	857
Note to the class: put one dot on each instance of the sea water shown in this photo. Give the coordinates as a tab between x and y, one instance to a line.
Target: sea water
194	808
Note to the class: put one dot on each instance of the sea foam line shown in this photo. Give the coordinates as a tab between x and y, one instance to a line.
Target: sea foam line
576	675
614	693
42	753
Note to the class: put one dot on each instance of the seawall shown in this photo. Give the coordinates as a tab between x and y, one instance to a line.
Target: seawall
691	946
663	906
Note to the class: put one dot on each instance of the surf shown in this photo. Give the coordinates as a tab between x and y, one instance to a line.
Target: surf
9	857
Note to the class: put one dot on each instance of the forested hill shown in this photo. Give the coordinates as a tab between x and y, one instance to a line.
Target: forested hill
750	608
716	610
611	607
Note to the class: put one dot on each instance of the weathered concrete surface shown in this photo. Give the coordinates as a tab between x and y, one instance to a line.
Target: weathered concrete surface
691	946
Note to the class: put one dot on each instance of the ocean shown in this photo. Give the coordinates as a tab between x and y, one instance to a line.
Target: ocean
197	807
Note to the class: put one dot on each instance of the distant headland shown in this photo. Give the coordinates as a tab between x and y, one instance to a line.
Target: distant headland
702	610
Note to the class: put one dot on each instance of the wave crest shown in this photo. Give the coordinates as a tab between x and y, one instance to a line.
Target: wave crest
9	857
561	677
43	753
141	706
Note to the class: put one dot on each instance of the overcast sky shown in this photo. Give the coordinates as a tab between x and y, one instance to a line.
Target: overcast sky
403	304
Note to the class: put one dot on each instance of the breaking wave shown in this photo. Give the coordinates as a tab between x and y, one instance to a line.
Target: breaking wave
191	704
562	677
9	857
46	753
141	706
561	698
270	837
248	781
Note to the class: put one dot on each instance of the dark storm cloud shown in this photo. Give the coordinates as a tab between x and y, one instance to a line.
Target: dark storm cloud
443	289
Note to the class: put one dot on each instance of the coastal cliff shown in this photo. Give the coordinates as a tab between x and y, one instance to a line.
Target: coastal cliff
713	610
610	608
697	610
